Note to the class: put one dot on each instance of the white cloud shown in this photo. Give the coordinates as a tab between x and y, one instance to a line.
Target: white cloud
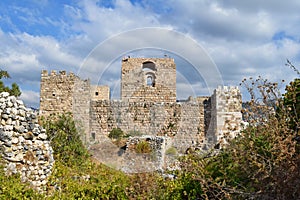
30	98
238	35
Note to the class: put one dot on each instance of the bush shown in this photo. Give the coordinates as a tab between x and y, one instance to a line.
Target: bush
64	139
171	151
12	188
143	147
88	181
116	133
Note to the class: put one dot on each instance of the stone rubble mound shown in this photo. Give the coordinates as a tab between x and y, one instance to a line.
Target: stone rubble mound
23	142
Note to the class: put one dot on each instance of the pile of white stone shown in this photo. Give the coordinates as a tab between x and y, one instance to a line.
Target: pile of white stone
23	142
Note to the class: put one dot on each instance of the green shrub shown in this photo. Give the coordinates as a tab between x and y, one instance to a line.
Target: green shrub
171	151
65	139
12	188
116	133
88	181
143	147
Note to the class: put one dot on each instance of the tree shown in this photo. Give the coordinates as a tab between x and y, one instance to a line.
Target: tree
292	101
65	139
14	90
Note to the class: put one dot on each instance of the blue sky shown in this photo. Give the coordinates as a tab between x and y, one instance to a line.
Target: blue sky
242	39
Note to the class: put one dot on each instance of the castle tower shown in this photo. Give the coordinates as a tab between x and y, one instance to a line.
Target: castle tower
148	80
226	116
56	93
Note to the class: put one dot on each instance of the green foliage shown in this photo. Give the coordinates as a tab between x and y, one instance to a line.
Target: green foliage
4	74
292	101
171	151
14	90
116	133
12	188
143	147
87	181
65	139
252	165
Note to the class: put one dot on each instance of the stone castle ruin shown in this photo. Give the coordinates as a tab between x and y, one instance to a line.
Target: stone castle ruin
148	106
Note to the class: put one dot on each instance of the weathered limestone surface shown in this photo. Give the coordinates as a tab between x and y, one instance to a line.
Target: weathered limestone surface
147	107
148	80
226	116
100	92
183	122
57	92
23	143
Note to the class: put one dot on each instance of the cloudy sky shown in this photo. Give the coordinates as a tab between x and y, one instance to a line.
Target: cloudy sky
212	42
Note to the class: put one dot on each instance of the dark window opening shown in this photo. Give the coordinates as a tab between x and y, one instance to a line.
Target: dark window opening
96	93
149	66
53	94
93	135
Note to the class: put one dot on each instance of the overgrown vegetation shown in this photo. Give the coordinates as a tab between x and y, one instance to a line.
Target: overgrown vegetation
12	188
143	147
65	139
171	151
262	163
116	133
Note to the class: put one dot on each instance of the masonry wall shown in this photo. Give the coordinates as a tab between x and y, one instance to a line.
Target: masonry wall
135	84
184	122
226	116
62	93
24	146
56	93
81	107
145	109
100	92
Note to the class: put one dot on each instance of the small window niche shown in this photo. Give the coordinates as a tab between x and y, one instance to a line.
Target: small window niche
93	136
150	81
149	70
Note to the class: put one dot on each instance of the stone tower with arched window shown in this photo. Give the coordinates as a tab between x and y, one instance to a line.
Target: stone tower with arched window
148	80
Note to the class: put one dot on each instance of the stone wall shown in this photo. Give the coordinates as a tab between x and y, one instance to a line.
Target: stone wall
81	108
23	143
62	92
100	92
56	93
148	80
134	162
147	107
226	116
184	122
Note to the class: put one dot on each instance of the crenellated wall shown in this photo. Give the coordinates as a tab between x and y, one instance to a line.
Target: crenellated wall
148	105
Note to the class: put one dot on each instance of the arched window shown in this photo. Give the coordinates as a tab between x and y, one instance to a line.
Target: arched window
149	80
149	70
148	65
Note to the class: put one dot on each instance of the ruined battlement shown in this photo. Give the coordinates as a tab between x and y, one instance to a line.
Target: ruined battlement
148	105
53	73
